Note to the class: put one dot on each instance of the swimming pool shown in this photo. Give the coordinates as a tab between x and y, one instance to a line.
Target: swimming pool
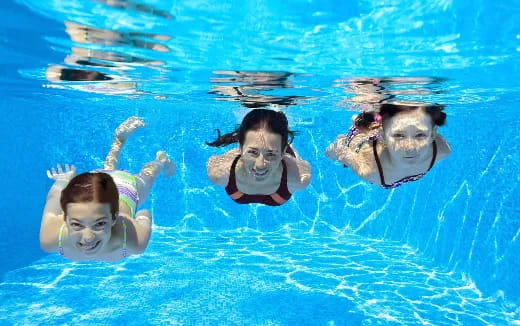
440	251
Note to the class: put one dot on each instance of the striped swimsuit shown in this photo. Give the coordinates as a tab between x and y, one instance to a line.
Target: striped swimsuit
126	187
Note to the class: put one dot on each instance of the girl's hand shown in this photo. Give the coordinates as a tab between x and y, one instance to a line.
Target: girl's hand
60	175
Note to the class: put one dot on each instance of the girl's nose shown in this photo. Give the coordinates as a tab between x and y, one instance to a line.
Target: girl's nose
260	162
88	235
409	144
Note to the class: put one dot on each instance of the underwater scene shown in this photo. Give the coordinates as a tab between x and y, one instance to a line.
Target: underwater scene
284	163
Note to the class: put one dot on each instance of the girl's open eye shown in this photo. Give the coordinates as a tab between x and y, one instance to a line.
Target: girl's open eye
252	152
101	224
75	225
398	135
420	135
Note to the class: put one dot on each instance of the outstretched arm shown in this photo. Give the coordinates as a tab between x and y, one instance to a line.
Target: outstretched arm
299	171
142	225
354	151
337	149
218	167
52	217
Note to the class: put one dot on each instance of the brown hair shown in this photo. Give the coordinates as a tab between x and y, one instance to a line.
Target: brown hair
388	110
274	121
89	187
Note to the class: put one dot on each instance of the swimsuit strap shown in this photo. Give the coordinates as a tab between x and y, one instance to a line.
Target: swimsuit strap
232	184
379	167
124	250
290	151
405	179
60	240
283	190
280	196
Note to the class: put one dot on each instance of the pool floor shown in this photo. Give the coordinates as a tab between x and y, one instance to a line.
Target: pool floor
246	277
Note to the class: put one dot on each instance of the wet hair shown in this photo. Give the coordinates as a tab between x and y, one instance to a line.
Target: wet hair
388	110
273	121
82	75
91	187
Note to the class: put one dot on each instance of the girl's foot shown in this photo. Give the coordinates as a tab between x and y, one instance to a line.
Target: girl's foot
167	165
128	127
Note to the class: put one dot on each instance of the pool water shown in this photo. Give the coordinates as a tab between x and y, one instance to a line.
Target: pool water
440	251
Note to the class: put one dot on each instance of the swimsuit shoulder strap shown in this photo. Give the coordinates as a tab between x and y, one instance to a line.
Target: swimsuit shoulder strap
434	156
60	240
379	167
232	184
290	151
283	190
124	251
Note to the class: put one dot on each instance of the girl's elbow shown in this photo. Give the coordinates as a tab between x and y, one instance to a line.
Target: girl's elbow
141	247
46	246
305	180
330	153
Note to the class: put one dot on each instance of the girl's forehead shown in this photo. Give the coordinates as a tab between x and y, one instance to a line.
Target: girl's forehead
262	138
88	210
413	119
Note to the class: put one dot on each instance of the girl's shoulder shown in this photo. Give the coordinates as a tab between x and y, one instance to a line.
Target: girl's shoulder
443	148
298	173
358	151
218	166
50	231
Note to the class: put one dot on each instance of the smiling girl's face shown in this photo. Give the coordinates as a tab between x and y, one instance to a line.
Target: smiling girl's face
90	226
261	153
408	136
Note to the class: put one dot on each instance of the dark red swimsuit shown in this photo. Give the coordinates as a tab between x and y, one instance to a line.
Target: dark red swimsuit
279	197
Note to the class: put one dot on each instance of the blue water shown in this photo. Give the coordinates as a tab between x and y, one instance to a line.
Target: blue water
441	251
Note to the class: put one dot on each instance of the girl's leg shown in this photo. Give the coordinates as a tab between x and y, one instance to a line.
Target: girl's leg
149	172
122	133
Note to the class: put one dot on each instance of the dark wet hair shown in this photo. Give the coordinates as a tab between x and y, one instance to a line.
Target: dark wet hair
273	121
91	187
388	110
82	75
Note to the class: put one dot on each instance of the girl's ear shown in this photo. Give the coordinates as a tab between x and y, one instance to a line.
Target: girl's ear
114	218
434	132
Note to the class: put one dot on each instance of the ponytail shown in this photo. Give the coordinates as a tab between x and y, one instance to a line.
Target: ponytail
365	119
224	140
435	112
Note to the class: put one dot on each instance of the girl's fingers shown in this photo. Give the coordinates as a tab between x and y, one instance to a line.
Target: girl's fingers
66	170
